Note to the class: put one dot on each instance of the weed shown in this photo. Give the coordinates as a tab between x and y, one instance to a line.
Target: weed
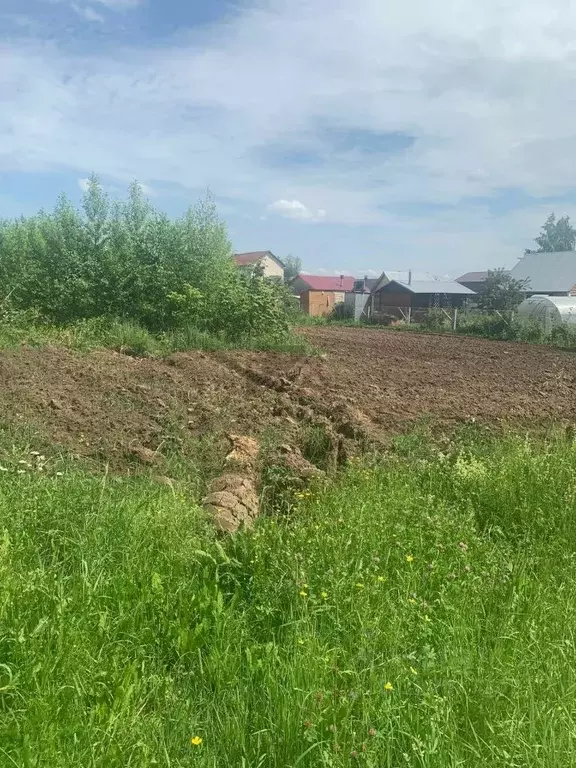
417	611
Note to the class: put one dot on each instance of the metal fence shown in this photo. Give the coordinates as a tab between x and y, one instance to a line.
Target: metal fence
439	318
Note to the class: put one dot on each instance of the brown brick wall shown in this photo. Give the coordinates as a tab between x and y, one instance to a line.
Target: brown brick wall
318	303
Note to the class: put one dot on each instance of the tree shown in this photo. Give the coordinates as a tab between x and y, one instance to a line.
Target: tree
556	235
501	291
292	267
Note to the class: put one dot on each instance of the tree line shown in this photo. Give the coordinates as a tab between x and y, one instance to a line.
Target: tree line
128	260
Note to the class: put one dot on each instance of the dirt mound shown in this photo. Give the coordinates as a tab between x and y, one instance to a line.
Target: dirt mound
369	384
232	499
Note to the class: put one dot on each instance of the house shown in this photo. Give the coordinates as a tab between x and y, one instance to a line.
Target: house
399	298
553	274
271	265
320	294
473	280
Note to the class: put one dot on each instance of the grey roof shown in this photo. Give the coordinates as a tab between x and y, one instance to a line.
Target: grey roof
400	275
435	286
472	277
553	272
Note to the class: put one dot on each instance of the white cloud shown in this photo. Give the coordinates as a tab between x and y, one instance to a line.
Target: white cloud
147	190
87	13
483	89
120	5
294	209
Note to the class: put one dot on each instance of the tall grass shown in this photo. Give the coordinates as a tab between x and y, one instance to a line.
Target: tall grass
419	612
131	338
503	326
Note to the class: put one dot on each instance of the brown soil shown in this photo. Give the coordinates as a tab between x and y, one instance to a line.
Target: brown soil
369	384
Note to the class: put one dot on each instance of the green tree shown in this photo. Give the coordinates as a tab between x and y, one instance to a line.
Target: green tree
501	291
126	260
292	267
555	235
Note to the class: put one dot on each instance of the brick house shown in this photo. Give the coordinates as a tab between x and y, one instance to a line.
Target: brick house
320	294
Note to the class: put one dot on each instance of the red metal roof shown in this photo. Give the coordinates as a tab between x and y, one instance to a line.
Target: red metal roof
328	283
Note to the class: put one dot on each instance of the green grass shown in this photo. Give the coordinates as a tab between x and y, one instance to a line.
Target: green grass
131	338
420	611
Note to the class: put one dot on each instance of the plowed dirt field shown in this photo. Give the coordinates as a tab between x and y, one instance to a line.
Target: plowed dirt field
367	381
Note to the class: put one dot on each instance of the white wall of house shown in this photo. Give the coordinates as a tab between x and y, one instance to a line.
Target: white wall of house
272	268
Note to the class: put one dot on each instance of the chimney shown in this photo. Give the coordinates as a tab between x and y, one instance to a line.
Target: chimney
409	277
341	281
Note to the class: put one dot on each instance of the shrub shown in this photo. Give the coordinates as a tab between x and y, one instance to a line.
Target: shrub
485	325
434	320
127	260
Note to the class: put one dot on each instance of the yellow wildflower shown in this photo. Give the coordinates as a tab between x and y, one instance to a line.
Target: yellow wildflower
381	578
412	601
388	686
196	741
359	585
302	593
409	558
324	595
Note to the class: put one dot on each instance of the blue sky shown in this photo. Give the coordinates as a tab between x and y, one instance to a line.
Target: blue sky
357	134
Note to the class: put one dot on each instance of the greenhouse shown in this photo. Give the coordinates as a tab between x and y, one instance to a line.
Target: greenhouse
551	311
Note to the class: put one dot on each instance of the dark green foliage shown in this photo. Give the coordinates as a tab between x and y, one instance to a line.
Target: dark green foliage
501	291
126	260
556	235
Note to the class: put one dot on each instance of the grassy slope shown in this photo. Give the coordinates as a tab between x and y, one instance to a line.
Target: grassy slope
128	335
420	613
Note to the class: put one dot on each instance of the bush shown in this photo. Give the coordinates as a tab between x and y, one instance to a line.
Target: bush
491	326
129	261
434	320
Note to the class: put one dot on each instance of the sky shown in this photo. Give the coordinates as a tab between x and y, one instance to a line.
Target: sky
359	135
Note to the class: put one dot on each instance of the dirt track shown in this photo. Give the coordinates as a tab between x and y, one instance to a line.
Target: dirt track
106	404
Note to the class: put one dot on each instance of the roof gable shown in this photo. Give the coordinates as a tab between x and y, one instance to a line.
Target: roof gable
549	271
401	275
432	286
473	277
253	257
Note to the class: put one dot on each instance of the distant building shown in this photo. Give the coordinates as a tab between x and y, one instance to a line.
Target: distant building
272	266
319	294
397	298
473	280
550	273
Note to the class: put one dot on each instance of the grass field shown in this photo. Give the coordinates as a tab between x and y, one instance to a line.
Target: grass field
420	611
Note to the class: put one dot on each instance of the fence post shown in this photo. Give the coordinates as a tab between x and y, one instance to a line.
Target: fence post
409	315
455	322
